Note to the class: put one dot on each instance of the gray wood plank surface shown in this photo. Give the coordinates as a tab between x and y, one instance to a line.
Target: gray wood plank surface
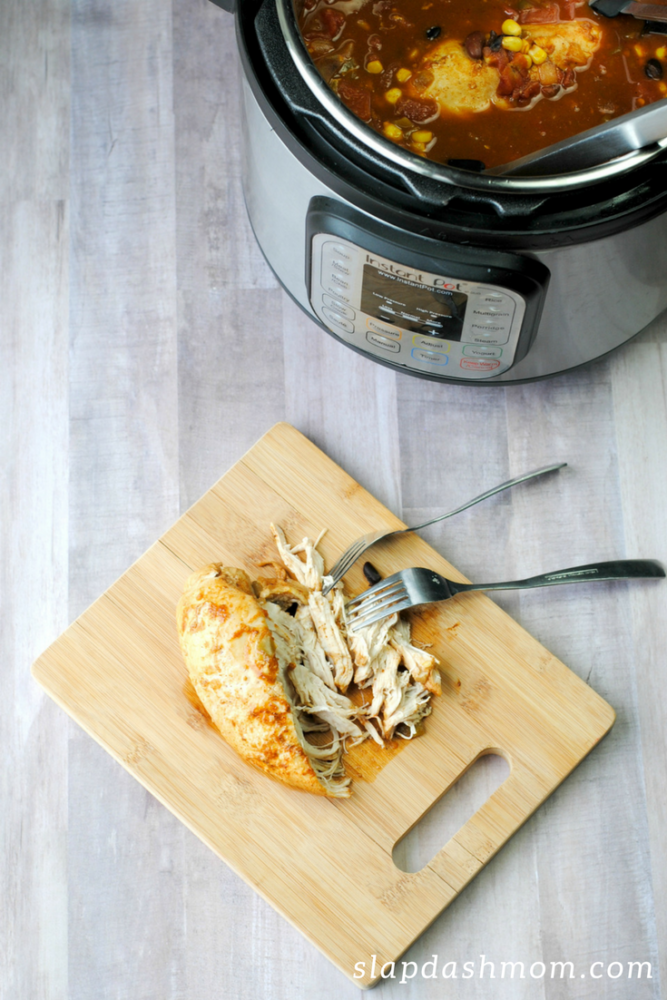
124	447
34	326
145	346
33	594
641	418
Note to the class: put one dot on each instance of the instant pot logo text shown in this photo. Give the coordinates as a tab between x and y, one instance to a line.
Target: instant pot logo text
415	276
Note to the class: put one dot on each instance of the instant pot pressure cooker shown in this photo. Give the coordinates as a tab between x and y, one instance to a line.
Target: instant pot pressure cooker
439	271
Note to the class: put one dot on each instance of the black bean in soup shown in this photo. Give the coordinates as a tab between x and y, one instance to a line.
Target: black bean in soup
474	44
433	33
653	69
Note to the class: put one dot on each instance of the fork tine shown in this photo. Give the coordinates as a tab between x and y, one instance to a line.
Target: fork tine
381	610
390	581
346	561
386	599
339	569
394	593
365	619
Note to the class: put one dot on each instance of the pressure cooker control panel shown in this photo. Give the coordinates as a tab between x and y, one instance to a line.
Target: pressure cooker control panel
440	310
425	321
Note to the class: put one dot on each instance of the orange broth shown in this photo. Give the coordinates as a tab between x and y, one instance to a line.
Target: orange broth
349	39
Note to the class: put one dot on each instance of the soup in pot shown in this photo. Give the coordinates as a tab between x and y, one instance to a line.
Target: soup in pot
482	81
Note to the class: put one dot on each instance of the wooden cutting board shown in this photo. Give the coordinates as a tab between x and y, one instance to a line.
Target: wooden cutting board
326	865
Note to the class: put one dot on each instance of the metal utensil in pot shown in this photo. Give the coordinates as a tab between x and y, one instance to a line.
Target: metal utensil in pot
641	133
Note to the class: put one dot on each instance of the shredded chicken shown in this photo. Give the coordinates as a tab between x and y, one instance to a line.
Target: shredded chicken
331	639
308	573
420	663
312	700
319	659
315	655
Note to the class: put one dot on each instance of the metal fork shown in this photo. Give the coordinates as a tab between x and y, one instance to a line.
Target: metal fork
422	586
358	547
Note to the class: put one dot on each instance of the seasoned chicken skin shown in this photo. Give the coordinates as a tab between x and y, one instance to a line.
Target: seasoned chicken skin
462	84
231	658
567	43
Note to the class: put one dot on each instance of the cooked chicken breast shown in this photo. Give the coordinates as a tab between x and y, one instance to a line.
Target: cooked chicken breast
463	85
231	657
271	662
460	84
569	44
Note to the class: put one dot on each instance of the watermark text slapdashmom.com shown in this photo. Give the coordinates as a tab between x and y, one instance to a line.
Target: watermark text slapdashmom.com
486	969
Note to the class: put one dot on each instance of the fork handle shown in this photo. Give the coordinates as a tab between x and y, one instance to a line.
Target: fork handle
489	493
619	569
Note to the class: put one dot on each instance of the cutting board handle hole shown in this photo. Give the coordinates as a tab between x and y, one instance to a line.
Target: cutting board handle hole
450	812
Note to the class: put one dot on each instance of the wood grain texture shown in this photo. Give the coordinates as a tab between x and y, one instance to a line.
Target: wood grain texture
34	324
118	671
33	506
637	376
35	88
104	893
123	457
224	285
597	635
346	401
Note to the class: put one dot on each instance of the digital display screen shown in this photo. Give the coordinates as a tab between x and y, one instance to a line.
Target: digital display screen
435	312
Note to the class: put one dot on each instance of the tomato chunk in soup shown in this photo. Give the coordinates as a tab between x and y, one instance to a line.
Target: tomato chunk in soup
484	80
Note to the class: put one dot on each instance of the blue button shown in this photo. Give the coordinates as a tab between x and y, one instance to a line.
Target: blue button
429	356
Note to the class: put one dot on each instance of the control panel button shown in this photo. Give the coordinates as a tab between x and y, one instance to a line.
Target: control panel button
337	250
476	334
479	366
383	329
431	343
490	296
383	342
431	357
338	320
339	307
491	325
337	285
481	351
493	314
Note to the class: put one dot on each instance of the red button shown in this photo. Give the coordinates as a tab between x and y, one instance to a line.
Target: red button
480	366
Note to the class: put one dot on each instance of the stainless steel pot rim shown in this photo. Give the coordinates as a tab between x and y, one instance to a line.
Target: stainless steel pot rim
436	172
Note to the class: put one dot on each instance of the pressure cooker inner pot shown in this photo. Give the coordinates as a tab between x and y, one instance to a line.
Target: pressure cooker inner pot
411	191
481	85
435	269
